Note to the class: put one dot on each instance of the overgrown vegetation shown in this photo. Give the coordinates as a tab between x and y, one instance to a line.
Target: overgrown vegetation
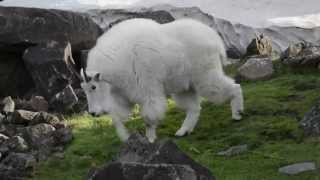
269	127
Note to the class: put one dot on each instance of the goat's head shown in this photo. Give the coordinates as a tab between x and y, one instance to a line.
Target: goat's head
97	92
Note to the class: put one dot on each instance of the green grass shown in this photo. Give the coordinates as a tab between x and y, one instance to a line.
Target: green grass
269	127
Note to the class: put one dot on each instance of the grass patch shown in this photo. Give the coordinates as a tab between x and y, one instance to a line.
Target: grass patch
269	127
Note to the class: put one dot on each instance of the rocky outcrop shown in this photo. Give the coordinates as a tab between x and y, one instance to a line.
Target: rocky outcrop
36	47
236	37
139	159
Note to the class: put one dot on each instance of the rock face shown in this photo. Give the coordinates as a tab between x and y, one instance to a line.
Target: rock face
236	37
261	45
36	47
311	121
256	69
302	55
139	159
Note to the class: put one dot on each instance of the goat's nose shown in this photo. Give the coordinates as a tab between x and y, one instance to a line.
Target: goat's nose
93	114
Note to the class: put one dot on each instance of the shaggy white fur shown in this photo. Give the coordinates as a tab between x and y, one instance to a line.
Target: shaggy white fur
141	62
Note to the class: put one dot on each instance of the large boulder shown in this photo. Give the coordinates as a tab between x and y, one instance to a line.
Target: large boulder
256	68
47	34
261	45
163	155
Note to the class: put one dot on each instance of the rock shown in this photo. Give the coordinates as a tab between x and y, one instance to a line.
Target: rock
23	28
2	118
261	45
17	144
19	161
23	117
62	136
44	117
234	150
39	103
52	67
3	138
310	123
297	168
256	69
37	135
82	104
64	100
302	55
139	151
139	171
8	105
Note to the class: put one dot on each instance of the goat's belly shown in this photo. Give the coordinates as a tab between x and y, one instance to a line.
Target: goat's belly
177	84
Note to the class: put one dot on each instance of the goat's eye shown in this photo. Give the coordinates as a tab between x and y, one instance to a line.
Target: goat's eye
93	87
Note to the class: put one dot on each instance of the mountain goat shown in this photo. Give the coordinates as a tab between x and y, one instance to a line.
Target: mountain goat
139	61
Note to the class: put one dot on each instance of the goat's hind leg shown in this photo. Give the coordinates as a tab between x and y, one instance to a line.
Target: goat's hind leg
190	102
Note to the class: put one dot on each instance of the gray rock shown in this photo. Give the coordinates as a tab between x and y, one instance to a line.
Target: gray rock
52	67
19	161
62	136
39	103
64	100
17	144
138	150
22	28
44	117
234	150
139	171
37	135
302	55
82	104
8	105
297	168
260	68
3	138
311	121
23	117
2	118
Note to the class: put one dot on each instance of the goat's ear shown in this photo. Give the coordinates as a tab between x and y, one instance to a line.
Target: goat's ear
97	77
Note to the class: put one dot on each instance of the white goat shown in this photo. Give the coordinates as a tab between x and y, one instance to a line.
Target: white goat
141	62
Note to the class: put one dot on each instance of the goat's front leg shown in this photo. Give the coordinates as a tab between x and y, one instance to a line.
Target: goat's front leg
121	130
153	111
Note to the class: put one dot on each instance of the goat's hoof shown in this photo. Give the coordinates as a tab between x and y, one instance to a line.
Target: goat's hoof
237	117
151	140
183	132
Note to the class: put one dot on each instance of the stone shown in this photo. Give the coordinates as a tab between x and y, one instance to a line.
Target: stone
234	150
302	55
23	117
8	105
261	46
256	69
62	136
139	171
37	135
20	161
82	104
310	123
44	117
2	118
23	28
3	138
138	149
17	144
39	103
52	67
64	100
298	168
